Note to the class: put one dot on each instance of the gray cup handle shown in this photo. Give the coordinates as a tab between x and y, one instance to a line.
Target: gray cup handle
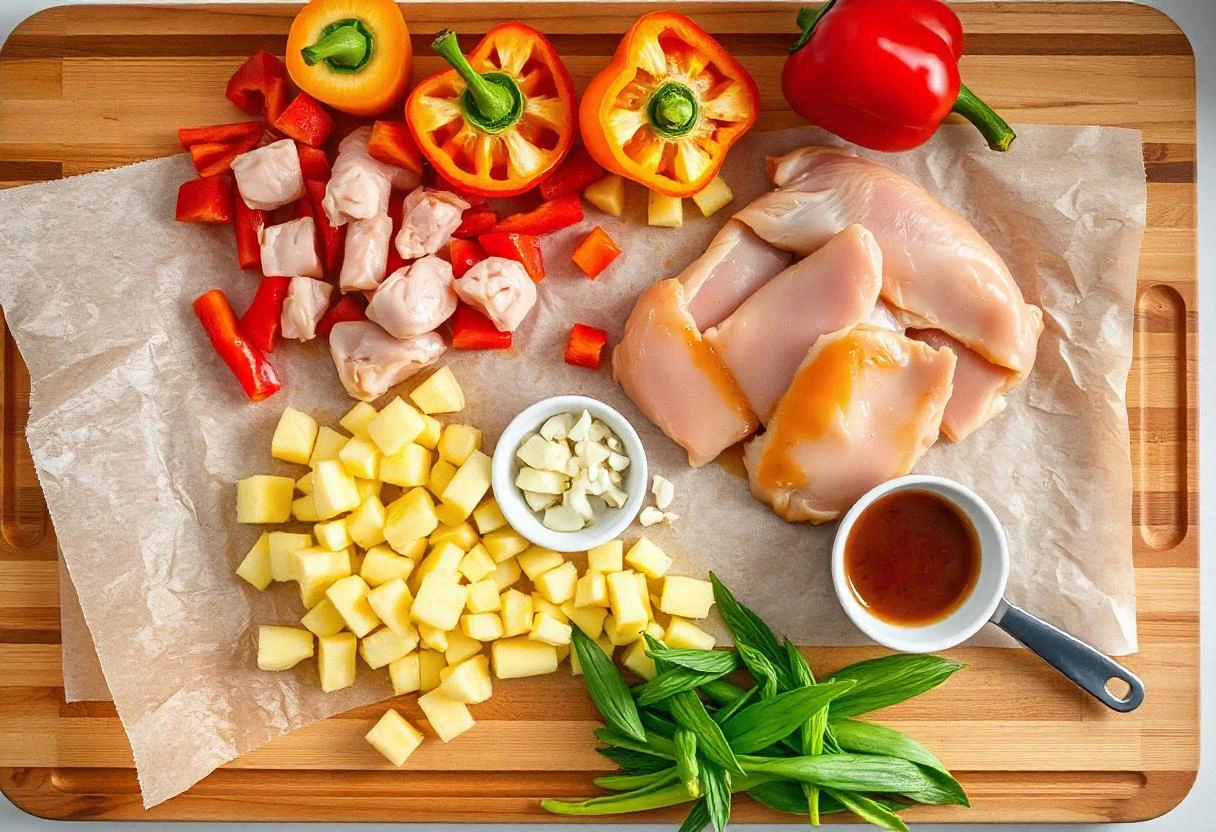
1084	665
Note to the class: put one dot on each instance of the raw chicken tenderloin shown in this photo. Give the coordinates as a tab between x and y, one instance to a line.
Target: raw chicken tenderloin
764	340
289	249
414	299
501	289
359	186
304	306
676	379
864	406
370	361
428	219
735	264
937	270
979	386
269	177
366	253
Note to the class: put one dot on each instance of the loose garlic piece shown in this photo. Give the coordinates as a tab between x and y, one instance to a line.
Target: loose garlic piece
650	516
663	491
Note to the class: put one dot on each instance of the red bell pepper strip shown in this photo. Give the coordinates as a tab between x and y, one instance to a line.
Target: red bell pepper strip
522	247
392	143
247	224
313	162
548	216
206	199
248	363
219	133
464	254
263	319
884	73
259	86
349	308
472	330
577	172
211	158
595	252
585	348
396	207
330	238
305	120
476	221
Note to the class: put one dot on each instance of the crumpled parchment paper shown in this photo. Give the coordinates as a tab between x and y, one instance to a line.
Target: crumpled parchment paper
139	433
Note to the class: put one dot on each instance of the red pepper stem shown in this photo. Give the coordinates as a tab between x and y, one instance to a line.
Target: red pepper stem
995	129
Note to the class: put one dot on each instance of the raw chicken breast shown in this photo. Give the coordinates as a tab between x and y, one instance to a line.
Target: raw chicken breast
289	249
979	386
501	289
366	253
676	379
428	219
735	264
883	318
765	340
938	272
359	186
268	177
370	361
864	406
304	306
414	299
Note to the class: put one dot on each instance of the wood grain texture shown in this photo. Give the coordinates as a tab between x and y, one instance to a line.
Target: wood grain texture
84	88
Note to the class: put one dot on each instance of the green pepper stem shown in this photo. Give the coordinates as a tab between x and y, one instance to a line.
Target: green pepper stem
493	102
806	20
672	110
346	46
996	130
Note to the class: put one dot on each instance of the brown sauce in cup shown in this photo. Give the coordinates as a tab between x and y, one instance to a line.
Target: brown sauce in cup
912	557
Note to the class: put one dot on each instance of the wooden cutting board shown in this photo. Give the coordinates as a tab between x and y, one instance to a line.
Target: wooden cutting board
85	88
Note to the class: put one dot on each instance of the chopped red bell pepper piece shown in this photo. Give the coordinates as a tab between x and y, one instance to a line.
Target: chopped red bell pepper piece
262	320
259	86
522	247
586	346
330	238
577	172
476	221
247	224
349	308
313	162
464	254
472	330
305	120
219	133
248	363
396	209
548	216
392	143
595	252
206	199
211	158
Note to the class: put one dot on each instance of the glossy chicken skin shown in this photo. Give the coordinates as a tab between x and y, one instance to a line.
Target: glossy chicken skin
676	379
864	406
359	186
268	177
428	219
304	306
938	271
501	289
370	361
414	299
289	249
764	341
979	386
365	256
735	264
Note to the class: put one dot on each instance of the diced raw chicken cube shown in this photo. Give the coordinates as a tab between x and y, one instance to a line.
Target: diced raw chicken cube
289	249
370	361
428	219
501	289
359	186
268	177
414	299
305	305
366	254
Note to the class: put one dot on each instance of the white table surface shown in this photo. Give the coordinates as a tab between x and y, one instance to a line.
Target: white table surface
1198	19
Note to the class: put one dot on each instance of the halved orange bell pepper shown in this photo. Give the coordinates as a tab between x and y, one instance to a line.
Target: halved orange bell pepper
354	55
668	107
500	120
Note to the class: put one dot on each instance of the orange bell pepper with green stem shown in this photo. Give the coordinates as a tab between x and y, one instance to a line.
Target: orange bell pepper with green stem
501	119
668	107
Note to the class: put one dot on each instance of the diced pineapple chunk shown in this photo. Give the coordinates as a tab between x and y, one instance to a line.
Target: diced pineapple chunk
394	737
627	610
316	569
368	488
294	437
361	458
304	509
591	590
332	534
264	499
334	490
439	601
430	663
482	626
449	718
514	658
327	447
439	394
647	558
444	559
463	535
488	516
635	658
304	484
433	638
381	565
256	567
413	550
282	546
682	634
476	564
557	585
441	475
607	194
588	619
395	426
365	525
409	467
644	594
548	629
323	619
537	560
542	604
607	557
468	682
460	647
686	597
357	419
713	198
516	612
408	518
504	543
405	674
469	484
349	597
336	661
280	648
391	602
385	645
664	211
506	573
458	442
622	634
431	430
606	647
483	597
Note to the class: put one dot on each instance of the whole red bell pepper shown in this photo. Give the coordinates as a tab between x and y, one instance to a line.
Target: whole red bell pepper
350	308
247	225
248	363
577	172
206	199
262	321
585	347
548	216
464	255
521	247
472	330
884	73
259	86
305	120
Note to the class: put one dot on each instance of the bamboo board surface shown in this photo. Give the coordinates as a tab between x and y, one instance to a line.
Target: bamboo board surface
90	87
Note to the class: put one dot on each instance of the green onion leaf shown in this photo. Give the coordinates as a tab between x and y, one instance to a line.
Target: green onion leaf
717	794
698	818
717	662
890	680
859	773
690	713
763	671
670	682
654	745
629	782
686	761
607	688
634	762
869	810
733	708
745	626
868	738
763	723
